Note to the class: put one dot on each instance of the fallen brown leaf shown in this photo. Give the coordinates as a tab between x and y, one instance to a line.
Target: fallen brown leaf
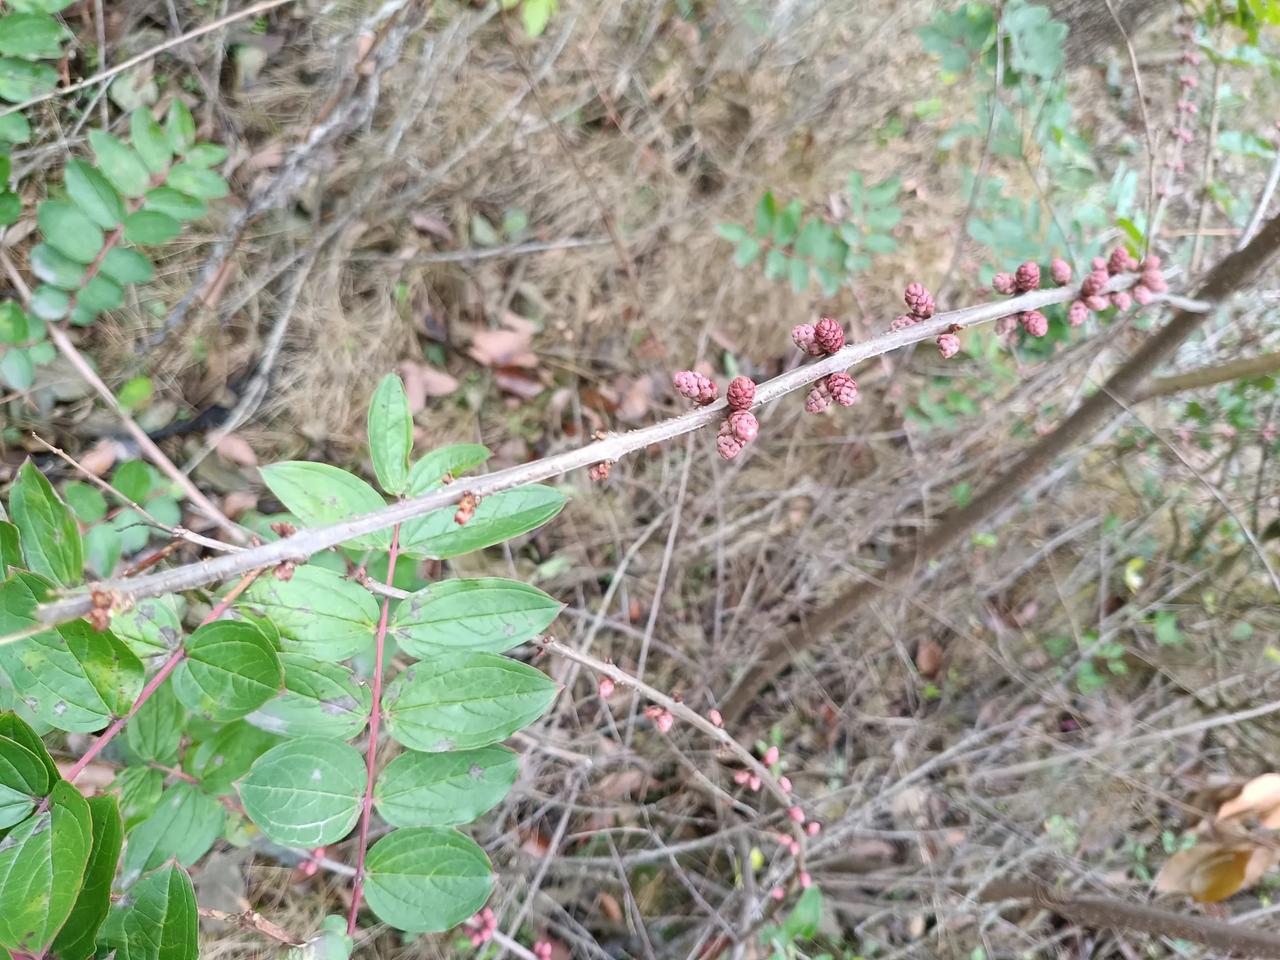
237	450
518	383
1260	798
100	459
502	348
1211	872
929	657
637	400
422	381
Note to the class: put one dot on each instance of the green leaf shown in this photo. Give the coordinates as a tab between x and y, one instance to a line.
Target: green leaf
13	727
443	789
735	233
536	14
127	266
149	139
1167	632
489	614
802	922
184	826
151	627
317	612
16	369
448	461
306	792
173	204
206	155
15	128
319	494
320	699
157	921
787	223
73	679
10	550
180	127
230	670
76	939
31	35
49	303
55	269
766	211
21	80
463	701
425	879
102	549
150	227
10	208
747	252
391	434
227	756
120	164
197	181
155	732
50	538
23	781
93	194
42	866
69	231
13	322
499	517
138	789
99	294
799	275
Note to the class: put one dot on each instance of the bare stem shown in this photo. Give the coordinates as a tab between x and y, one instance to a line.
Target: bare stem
304	543
366	810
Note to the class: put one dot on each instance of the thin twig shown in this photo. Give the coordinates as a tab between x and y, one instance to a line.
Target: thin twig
1264	201
304	543
366	810
1142	110
252	920
105	75
1245	369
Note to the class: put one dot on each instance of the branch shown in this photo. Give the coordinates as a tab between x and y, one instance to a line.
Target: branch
366	810
1115	914
1245	369
304	543
777	652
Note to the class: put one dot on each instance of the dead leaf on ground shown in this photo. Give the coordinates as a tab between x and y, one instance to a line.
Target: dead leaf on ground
1211	872
929	657
422	381
237	450
637	399
517	383
238	502
1259	798
101	458
432	225
502	348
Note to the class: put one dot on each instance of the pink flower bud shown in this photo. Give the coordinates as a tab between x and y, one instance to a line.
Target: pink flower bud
777	893
813	828
1034	322
785	784
1094	284
695	386
1190	81
793	847
1098	263
741	393
1077	313
714	716
1121	300
742	776
665	721
1154	281
606	688
1006	325
728	446
843	389
802	337
828	334
1060	270
1027	277
754	783
806	881
948	345
542	950
1152	261
743	425
902	322
1004	283
1097	303
796	814
1121	261
771	756
819	398
919	301
1142	295
1191	57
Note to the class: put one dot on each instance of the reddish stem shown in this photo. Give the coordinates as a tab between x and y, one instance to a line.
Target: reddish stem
357	894
154	683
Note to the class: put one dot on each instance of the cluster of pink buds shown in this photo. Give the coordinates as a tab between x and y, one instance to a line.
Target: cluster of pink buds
542	950
741	426
698	388
838	388
606	688
1023	280
1093	291
748	779
481	927
599	472
662	718
920	306
1181	129
825	337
